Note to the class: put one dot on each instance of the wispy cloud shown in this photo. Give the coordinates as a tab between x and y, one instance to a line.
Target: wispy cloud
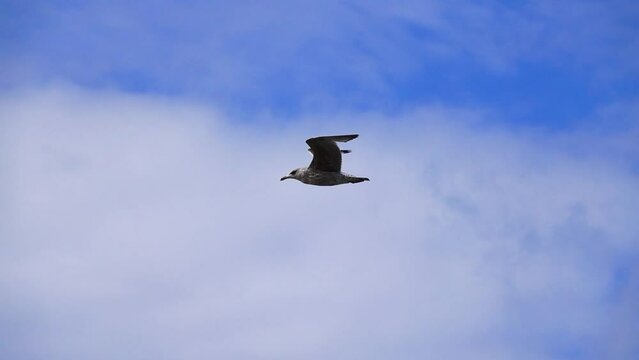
142	227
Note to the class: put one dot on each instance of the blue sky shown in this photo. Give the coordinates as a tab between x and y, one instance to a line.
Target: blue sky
538	63
142	216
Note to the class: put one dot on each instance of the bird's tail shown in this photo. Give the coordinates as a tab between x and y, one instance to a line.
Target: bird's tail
345	151
355	179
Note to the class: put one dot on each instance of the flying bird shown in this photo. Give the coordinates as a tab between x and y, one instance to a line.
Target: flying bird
326	167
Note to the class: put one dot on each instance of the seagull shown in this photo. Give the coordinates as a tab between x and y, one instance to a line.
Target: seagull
326	167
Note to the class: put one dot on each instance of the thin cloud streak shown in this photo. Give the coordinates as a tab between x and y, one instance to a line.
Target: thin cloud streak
145	227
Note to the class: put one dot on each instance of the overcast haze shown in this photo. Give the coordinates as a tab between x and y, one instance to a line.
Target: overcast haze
142	216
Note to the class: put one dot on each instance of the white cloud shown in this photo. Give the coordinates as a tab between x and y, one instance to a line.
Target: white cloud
142	227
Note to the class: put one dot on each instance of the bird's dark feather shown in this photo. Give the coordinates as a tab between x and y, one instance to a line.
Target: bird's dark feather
326	154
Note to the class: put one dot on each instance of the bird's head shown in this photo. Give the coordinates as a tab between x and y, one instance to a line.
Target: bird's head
295	174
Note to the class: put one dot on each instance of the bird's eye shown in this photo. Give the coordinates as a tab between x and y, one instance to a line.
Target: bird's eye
293	172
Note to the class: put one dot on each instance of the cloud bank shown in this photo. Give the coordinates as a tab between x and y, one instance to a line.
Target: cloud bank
142	227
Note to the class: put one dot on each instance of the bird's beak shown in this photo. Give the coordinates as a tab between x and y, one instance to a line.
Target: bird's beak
285	177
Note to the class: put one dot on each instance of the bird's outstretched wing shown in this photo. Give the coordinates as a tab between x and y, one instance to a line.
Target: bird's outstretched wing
326	154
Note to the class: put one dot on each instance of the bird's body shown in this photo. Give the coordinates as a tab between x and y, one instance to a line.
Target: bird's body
325	169
325	178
